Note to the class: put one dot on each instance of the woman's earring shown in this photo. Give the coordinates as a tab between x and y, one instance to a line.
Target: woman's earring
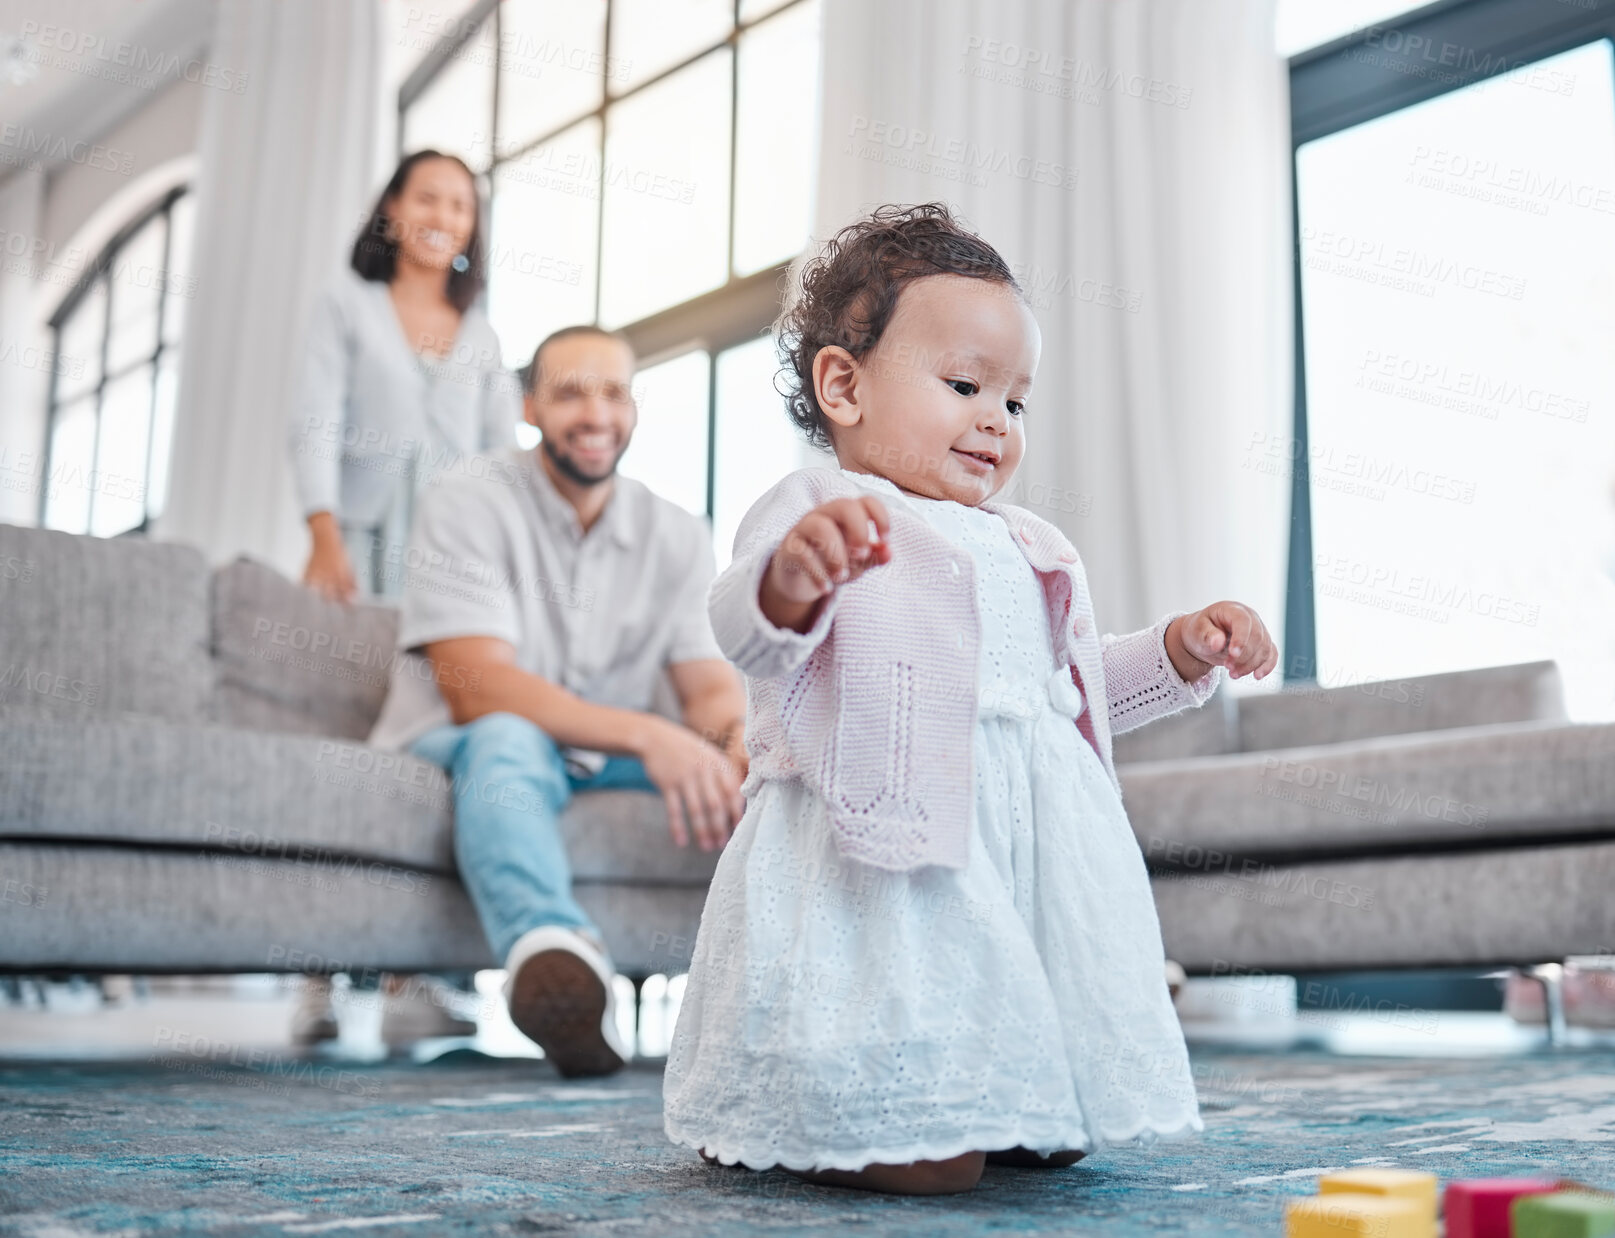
461	263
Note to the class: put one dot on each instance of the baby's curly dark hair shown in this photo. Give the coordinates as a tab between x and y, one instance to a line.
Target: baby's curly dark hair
850	289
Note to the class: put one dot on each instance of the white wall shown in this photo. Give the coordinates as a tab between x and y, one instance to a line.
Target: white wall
106	123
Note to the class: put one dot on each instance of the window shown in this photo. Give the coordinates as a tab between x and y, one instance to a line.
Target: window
111	413
1453	462
1302	25
651	169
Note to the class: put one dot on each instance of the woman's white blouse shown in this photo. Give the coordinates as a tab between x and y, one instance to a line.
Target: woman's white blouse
374	421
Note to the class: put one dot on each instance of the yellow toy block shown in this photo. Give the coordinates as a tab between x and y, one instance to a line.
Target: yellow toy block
1342	1215
1407	1184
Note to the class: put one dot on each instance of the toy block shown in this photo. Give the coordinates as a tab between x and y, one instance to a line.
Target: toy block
1342	1215
1564	1214
1582	1188
1418	1188
1479	1208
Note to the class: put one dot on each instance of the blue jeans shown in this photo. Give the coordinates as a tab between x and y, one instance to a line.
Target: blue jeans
510	784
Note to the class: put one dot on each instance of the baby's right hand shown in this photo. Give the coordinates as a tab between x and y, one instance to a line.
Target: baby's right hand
834	544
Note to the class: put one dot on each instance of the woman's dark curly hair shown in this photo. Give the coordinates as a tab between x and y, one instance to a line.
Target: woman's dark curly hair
850	289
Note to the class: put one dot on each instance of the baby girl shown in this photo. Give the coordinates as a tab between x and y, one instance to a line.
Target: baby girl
930	944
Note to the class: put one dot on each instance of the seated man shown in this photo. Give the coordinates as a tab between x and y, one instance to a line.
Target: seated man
552	597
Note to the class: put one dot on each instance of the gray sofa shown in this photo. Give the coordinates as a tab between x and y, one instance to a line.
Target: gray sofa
184	785
1448	820
184	788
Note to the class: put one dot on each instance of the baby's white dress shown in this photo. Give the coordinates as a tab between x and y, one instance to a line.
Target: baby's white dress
838	1015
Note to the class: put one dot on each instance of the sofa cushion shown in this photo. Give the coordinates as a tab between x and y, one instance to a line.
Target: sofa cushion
289	660
103	626
257	796
1298	717
1468	909
129	909
1470	787
150	909
1205	732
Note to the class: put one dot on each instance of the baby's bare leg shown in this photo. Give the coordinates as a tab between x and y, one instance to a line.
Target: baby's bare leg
1023	1158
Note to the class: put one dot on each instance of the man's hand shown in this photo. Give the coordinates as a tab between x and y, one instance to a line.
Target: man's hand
830	546
1228	634
695	778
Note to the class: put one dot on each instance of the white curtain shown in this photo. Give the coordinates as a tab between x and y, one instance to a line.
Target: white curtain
285	179
1130	159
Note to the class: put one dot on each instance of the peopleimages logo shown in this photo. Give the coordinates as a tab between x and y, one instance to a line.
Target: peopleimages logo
1019	65
1372	260
1340	575
915	143
1402	801
25	678
31	145
1440	60
286	641
1465	391
266	847
155	65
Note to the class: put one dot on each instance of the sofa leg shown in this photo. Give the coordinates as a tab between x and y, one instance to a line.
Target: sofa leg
1551	977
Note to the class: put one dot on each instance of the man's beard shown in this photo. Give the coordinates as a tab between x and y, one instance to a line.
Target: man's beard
565	466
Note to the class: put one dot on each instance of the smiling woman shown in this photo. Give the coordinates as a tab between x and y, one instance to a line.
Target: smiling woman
402	381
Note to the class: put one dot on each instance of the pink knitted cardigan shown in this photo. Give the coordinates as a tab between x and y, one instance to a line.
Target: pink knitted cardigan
875	705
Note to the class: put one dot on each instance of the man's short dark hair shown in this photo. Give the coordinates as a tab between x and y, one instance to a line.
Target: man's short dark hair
532	372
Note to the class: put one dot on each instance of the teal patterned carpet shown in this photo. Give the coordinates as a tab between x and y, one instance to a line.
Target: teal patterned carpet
284	1146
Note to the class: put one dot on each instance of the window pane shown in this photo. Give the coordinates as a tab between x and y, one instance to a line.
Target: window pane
667	192
421	25
137	286
775	154
120	455
669	448
756	443
552	66
1457	263
455	112
72	461
541	259
181	278
162	433
751	10
1311	23
648	36
78	364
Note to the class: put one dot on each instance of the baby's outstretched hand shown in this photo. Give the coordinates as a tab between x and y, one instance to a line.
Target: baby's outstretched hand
1228	634
833	545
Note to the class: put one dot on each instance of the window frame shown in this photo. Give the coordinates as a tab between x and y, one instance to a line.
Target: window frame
98	271
739	310
1335	87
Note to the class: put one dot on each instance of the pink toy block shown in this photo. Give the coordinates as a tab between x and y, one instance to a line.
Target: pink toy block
1479	1208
